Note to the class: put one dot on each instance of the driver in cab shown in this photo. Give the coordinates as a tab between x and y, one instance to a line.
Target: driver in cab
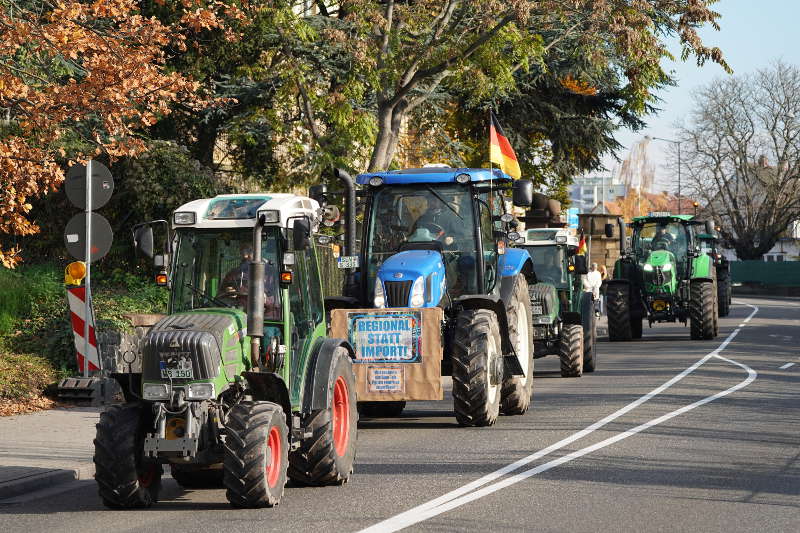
662	240
443	223
235	284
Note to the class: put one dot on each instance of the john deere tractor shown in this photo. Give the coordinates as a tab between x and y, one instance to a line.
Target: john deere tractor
665	276
437	292
563	314
239	383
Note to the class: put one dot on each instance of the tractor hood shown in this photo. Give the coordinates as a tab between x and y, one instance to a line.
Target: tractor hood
410	273
660	258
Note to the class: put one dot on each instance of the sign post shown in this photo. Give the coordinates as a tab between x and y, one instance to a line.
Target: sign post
88	280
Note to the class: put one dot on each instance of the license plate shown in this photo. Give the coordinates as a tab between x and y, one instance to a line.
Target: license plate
177	373
538	310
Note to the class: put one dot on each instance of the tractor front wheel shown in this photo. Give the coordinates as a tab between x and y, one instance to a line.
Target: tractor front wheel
327	457
701	309
256	454
619	312
516	391
125	480
570	351
477	368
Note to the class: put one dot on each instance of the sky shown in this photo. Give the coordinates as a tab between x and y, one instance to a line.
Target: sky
752	34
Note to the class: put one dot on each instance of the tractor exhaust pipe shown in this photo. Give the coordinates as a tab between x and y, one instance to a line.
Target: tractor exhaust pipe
622	248
255	295
350	211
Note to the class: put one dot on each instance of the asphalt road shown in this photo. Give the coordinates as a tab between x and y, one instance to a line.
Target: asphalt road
667	435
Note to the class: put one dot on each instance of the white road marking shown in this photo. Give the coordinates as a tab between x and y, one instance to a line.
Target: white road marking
464	494
787	365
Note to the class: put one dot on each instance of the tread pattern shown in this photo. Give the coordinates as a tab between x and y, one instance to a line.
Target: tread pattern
246	454
724	296
619	312
701	310
516	394
589	342
315	462
471	402
117	459
570	351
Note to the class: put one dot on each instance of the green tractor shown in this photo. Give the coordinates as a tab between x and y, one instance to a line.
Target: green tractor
709	244
239	384
563	315
665	276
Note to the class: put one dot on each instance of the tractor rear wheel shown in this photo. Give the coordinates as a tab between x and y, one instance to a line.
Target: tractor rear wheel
196	478
724	296
701	309
589	344
619	312
570	350
125	480
477	368
327	457
381	409
256	454
636	328
516	391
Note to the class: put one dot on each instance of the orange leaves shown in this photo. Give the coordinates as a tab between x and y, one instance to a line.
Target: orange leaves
577	86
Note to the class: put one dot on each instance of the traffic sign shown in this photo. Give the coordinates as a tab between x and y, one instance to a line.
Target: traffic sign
102	185
100	238
572	217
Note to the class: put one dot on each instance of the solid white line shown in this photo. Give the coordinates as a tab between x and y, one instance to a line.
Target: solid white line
787	365
457	497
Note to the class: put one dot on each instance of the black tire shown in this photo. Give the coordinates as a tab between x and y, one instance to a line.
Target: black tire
381	409
256	454
701	310
724	296
619	312
476	388
570	351
327	457
197	478
636	328
516	391
590	344
125	480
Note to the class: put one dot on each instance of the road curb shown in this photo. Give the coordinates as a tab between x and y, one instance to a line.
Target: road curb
44	480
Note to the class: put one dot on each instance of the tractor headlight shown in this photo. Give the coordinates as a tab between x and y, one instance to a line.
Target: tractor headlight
667	267
155	391
418	293
183	218
648	267
200	391
380	297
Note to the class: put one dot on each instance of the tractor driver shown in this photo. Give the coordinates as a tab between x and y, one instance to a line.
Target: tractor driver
235	284
662	240
441	222
549	268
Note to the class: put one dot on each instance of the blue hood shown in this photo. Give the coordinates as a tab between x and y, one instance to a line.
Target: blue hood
400	271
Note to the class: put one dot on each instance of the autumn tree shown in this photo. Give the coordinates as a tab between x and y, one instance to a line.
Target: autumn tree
741	156
79	80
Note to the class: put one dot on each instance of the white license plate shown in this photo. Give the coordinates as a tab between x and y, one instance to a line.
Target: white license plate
537	310
177	373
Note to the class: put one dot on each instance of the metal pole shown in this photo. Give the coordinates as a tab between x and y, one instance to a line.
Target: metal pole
87	295
679	177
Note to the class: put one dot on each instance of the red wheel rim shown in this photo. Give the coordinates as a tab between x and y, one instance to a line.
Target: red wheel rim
274	460
341	416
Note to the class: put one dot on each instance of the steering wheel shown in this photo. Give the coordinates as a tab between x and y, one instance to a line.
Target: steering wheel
434	228
231	295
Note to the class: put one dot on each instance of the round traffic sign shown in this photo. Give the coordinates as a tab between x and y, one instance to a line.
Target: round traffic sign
102	185
101	237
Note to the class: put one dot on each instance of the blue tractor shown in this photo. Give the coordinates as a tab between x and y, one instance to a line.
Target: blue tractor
436	238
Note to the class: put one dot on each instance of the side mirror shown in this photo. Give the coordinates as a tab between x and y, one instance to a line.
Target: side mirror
513	236
319	193
301	234
581	267
143	240
522	193
609	230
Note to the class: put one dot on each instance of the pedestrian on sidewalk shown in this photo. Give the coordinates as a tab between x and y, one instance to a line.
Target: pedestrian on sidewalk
591	283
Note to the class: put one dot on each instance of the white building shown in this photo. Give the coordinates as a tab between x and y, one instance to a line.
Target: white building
587	191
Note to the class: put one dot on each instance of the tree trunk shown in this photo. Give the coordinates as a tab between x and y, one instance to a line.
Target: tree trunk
390	120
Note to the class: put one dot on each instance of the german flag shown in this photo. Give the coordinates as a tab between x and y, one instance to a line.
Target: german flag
500	151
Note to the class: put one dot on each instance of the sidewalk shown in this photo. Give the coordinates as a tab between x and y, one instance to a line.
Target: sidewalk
42	449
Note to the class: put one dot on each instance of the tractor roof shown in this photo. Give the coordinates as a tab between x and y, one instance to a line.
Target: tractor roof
433	174
663	216
549	237
240	210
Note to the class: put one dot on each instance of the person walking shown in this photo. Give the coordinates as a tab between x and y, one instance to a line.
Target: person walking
604	279
591	283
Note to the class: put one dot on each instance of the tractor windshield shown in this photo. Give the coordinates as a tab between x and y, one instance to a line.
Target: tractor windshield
210	269
658	235
549	264
425	213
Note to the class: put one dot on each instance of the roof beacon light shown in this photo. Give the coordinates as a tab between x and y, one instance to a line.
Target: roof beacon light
376	181
463	178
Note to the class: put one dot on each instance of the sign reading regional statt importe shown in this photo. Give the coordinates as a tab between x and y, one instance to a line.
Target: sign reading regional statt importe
381	338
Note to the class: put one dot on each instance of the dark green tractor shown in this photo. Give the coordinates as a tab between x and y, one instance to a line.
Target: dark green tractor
239	384
709	244
665	276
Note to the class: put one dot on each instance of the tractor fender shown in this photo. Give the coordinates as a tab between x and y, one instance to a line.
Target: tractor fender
316	390
515	261
507	283
130	383
494	303
269	387
702	267
571	317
